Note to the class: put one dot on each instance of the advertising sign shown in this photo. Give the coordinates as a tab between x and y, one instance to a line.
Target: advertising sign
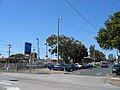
27	48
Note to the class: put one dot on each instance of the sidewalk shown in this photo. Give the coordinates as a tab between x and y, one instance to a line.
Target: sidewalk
37	71
113	79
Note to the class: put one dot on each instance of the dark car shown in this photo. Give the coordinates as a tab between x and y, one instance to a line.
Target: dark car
56	67
69	67
104	64
89	65
116	69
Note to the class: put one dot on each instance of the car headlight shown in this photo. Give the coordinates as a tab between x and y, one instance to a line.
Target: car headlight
114	69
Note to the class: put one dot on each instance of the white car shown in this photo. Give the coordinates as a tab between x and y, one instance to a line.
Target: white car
104	64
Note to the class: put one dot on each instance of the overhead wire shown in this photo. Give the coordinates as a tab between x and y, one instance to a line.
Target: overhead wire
74	27
80	14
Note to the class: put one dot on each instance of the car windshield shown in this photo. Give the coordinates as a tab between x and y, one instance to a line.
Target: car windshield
118	65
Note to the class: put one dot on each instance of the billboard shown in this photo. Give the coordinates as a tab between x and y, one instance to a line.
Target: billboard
27	48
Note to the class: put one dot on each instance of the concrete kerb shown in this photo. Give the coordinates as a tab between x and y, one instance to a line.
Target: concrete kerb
113	79
38	71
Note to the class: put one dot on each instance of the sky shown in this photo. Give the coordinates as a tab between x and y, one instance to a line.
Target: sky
24	20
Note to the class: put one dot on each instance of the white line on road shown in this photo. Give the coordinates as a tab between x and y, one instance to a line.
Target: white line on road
8	81
5	83
99	73
13	88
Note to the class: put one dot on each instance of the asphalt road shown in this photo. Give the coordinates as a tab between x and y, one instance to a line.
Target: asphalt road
94	71
53	82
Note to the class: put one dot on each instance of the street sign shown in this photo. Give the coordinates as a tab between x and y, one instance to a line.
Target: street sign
27	48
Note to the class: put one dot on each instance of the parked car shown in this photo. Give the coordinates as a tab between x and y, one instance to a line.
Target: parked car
89	65
77	66
56	67
50	66
104	64
69	67
116	69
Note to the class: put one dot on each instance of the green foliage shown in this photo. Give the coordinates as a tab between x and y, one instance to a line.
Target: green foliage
19	55
68	48
109	36
16	57
98	54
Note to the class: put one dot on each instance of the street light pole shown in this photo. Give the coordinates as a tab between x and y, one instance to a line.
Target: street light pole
38	48
94	55
58	39
46	51
117	57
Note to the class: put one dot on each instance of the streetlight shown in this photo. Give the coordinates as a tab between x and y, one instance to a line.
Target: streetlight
94	55
59	19
46	51
38	47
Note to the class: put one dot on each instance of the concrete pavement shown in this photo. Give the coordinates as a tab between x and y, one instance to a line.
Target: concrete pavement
59	81
114	79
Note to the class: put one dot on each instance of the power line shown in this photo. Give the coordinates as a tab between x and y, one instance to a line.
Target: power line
10	41
71	26
80	14
15	43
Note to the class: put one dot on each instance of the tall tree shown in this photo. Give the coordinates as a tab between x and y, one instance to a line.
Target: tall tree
109	36
68	48
16	57
96	53
92	50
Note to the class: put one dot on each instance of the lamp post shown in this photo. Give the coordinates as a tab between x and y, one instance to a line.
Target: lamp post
94	55
46	51
38	47
59	19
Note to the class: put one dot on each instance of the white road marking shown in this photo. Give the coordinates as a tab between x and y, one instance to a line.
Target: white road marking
8	81
66	80
99	73
5	83
115	78
13	88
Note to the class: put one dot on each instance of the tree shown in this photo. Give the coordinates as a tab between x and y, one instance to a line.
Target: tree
96	53
91	50
109	36
16	57
68	48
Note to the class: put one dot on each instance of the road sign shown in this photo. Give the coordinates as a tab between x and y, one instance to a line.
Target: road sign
27	48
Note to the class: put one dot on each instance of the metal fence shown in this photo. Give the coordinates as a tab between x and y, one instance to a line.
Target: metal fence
20	67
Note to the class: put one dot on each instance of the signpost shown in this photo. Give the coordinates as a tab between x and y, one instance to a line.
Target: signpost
28	52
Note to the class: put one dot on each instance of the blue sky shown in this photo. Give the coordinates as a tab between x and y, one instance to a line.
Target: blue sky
24	20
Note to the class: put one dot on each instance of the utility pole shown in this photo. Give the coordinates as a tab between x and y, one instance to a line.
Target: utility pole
117	57
9	52
33	56
46	51
58	39
38	48
94	55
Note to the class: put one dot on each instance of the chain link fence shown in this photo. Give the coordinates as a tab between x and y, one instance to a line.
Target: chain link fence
20	67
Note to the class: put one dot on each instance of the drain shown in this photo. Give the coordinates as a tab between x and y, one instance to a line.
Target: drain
13	80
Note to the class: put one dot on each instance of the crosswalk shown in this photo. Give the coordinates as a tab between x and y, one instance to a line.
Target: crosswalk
8	85
13	88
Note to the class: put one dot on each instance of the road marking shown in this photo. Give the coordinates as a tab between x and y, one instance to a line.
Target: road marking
115	78
66	80
8	81
99	73
5	83
13	88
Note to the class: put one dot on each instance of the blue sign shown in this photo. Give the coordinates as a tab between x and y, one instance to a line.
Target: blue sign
28	48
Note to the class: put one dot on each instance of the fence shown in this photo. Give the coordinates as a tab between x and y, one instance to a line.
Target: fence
19	67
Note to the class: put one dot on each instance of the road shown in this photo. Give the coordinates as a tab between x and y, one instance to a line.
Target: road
94	71
53	82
